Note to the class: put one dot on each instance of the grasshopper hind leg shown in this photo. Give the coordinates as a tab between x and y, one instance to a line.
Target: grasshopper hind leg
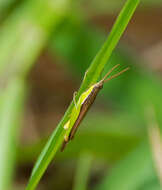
72	133
66	140
63	145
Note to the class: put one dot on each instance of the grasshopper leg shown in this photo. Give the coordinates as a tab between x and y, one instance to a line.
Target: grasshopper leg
66	140
72	133
74	99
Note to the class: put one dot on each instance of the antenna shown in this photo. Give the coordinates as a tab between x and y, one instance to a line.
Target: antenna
105	79
111	70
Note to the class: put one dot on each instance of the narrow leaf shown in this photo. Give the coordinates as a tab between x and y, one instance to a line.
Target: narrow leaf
92	76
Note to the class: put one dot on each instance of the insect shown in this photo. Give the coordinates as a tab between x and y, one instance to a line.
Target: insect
82	106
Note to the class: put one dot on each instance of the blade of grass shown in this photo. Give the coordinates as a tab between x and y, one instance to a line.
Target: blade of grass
12	100
91	77
156	145
25	33
155	140
22	37
133	172
82	173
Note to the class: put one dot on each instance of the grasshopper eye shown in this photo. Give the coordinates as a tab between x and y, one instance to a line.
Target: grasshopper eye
101	86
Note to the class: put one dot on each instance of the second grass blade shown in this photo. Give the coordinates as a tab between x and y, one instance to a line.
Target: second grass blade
11	109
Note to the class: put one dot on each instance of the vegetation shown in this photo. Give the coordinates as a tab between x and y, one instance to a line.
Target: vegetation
115	135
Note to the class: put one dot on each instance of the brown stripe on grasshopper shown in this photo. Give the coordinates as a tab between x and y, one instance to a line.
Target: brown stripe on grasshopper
89	101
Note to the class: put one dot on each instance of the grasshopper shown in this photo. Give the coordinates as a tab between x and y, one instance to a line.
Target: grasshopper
82	106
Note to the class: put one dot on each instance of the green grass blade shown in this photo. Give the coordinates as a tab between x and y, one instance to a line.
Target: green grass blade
82	173
22	37
92	76
11	106
25	33
133	172
104	54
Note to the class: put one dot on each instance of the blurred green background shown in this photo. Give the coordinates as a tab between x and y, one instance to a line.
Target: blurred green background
45	48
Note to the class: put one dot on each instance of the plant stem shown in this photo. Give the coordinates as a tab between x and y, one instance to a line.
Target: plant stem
91	77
